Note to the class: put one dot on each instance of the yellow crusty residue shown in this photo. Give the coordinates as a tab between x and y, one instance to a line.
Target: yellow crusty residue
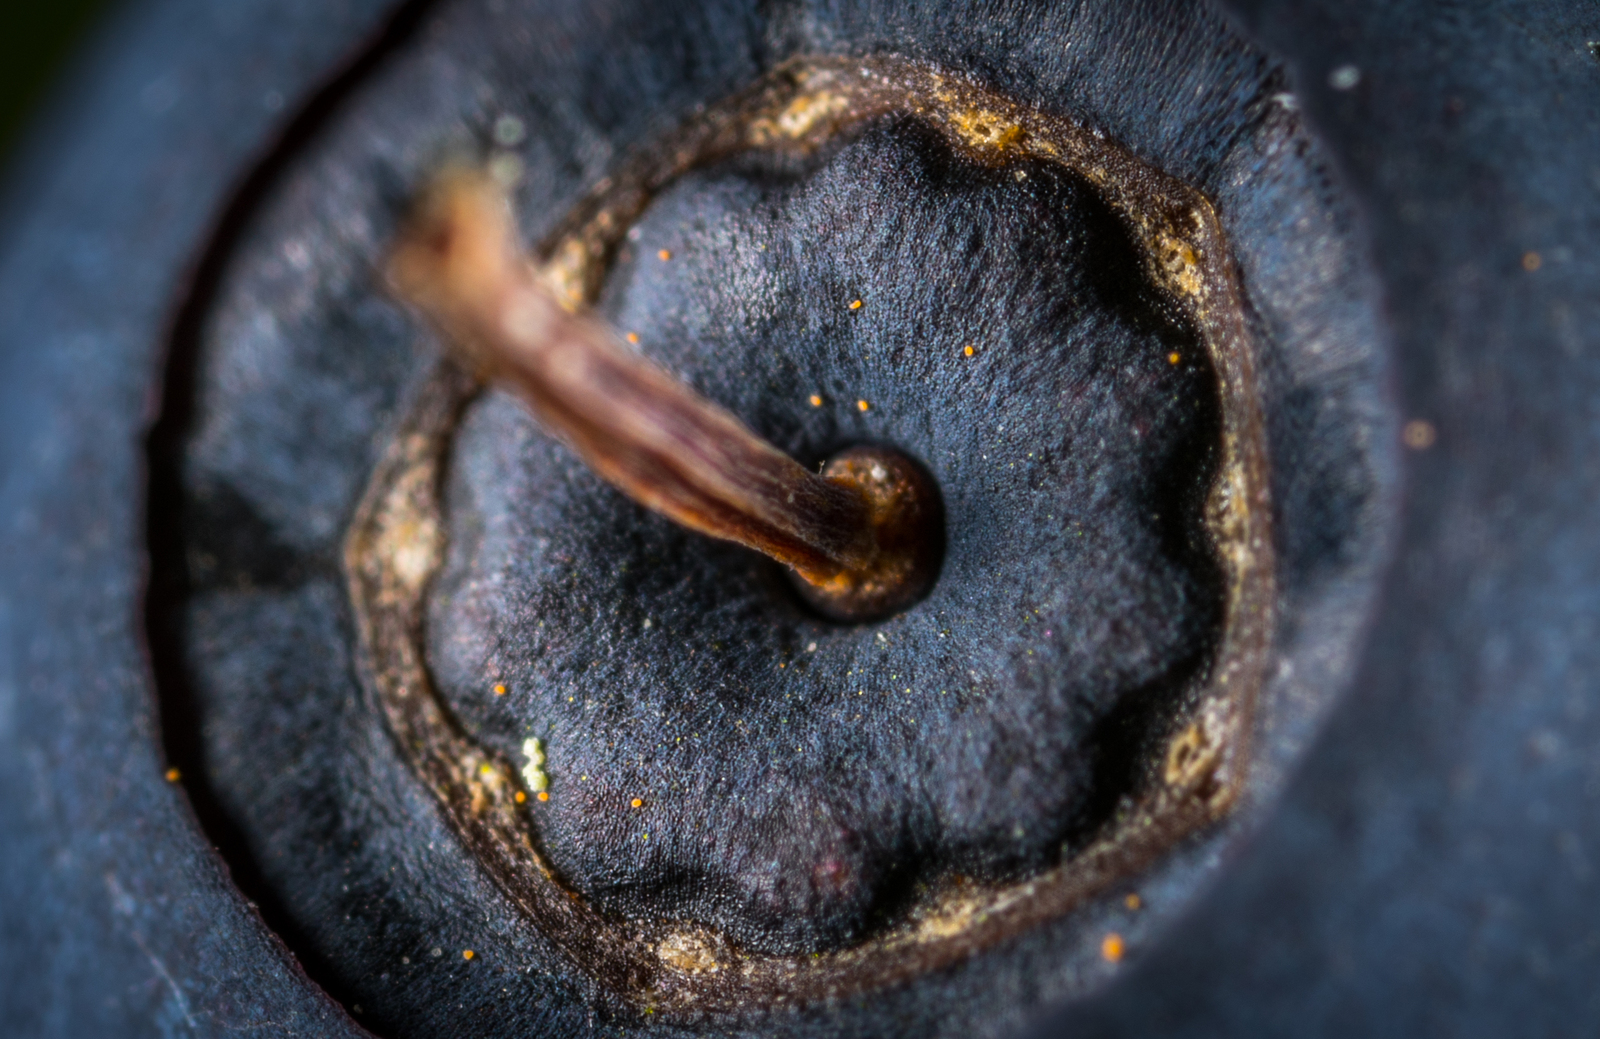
566	274
485	782
533	771
414	542
800	117
1180	264
1189	757
689	953
1196	756
983	130
949	921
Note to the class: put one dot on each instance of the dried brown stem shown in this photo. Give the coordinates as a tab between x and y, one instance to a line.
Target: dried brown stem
645	432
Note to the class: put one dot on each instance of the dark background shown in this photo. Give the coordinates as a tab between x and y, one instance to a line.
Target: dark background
36	42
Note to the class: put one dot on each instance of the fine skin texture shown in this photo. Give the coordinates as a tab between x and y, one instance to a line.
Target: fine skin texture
864	544
397	535
1430	869
806	828
855	779
1435	840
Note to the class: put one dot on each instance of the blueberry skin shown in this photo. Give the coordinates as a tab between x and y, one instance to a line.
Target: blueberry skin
1428	867
299	360
799	778
1431	867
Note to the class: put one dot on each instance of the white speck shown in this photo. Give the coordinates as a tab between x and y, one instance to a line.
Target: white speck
298	255
436	953
1344	77
506	170
647	623
811	647
1286	101
509	131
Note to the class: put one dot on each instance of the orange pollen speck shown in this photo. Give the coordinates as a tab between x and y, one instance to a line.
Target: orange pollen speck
499	690
856	305
1173	358
816	401
1532	261
665	254
1419	434
968	350
637	803
520	797
862	405
173	775
1112	947
1132	902
633	337
544	795
466	954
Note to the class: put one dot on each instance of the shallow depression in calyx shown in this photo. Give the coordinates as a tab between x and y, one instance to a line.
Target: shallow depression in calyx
714	752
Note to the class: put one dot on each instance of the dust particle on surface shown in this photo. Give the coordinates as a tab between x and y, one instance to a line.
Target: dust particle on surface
509	131
1132	901
1174	357
665	254
1112	947
855	305
862	405
1419	434
173	775
499	689
1532	261
968	350
816	401
467	954
633	337
544	795
637	802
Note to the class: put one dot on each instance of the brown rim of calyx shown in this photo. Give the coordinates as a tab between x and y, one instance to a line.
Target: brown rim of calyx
862	547
684	968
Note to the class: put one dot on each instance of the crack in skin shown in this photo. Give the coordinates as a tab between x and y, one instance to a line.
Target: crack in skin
686	971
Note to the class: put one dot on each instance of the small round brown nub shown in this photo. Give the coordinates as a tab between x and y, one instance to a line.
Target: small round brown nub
906	518
864	538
